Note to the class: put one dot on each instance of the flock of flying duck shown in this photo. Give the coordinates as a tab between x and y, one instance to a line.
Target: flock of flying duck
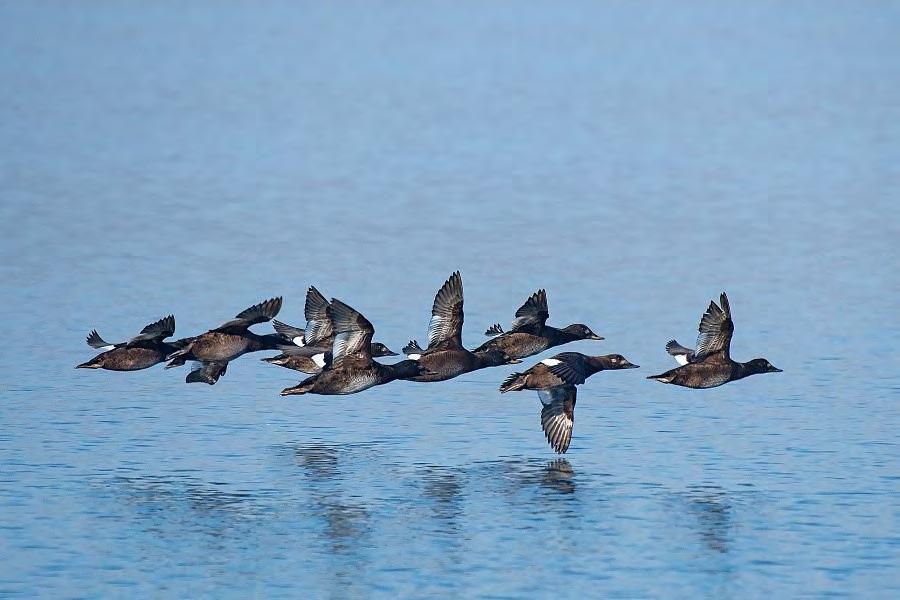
337	351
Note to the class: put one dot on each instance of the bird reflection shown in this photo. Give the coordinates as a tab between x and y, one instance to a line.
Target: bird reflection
165	500
713	511
444	486
560	476
347	524
318	461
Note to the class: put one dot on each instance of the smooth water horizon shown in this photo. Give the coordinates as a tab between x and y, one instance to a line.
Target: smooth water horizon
633	159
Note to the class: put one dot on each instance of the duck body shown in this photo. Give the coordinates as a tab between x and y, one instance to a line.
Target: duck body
442	364
131	358
529	333
352	379
232	339
216	345
712	373
522	344
566	368
140	352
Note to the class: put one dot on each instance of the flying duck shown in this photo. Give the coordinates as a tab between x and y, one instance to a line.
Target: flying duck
445	357
710	365
352	368
529	333
140	352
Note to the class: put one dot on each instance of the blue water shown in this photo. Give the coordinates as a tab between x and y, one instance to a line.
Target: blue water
635	159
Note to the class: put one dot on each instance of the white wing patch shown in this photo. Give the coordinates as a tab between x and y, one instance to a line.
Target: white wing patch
551	362
341	343
319	359
435	329
298	340
681	359
414	356
107	347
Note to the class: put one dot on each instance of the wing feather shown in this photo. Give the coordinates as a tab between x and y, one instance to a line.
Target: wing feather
446	322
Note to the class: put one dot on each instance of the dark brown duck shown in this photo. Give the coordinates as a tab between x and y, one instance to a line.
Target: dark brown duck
140	352
710	365
529	333
232	339
310	349
352	369
445	357
566	368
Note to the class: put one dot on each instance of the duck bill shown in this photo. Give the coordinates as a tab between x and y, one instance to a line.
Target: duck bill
391	353
775	370
629	365
597	337
88	365
513	361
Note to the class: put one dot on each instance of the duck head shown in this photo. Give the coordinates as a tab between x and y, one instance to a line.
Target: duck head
581	332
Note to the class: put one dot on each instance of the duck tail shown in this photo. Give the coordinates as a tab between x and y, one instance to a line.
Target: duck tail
412	348
666	377
513	383
494	330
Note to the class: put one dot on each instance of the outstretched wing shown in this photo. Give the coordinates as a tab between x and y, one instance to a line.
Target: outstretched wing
318	318
353	335
681	354
95	341
258	313
207	372
295	334
159	330
533	314
716	329
447	314
558	416
569	366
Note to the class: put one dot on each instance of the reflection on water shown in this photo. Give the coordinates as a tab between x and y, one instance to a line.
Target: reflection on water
713	511
170	494
444	487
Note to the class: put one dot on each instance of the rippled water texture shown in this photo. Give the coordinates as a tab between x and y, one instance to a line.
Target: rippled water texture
633	158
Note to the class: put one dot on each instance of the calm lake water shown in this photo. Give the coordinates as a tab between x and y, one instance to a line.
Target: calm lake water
635	159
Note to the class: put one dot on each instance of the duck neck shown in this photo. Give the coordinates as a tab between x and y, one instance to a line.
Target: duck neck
488	359
269	341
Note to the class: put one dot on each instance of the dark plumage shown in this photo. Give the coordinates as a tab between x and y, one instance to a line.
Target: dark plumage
566	368
312	346
232	339
311	359
445	356
529	333
207	372
140	352
711	364
352	369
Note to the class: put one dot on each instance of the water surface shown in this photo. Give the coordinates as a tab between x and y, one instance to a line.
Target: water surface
634	159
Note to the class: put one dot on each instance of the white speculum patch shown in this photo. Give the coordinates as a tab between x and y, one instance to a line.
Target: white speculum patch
299	340
681	359
551	362
319	359
414	356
